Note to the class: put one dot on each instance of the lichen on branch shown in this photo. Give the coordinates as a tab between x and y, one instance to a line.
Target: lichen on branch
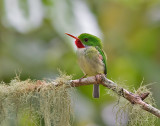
35	103
136	116
131	97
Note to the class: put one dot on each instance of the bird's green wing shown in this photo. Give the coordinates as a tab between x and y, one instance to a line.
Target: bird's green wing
103	58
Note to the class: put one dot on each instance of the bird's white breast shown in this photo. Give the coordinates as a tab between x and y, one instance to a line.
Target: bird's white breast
89	61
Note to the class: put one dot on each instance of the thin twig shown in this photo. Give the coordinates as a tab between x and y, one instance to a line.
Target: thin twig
133	98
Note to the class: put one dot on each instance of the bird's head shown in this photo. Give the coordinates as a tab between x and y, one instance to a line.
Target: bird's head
85	39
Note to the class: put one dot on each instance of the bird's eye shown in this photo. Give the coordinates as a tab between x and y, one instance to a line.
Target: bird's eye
86	39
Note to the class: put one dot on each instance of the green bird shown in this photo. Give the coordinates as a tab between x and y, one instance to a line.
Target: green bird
91	57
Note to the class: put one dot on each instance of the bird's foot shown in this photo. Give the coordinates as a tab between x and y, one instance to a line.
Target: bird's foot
82	77
98	77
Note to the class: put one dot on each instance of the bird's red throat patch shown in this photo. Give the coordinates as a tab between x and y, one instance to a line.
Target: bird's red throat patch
79	44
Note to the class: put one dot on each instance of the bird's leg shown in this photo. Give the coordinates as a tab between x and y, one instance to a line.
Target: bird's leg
82	77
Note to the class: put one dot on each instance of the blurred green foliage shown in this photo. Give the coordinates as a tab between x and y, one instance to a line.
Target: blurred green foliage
32	42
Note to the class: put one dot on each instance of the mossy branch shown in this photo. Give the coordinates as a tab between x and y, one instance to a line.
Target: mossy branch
35	103
49	102
133	98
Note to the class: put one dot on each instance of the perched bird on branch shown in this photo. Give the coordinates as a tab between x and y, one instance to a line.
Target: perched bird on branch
91	57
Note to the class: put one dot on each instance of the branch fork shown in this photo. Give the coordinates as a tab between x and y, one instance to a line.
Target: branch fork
132	98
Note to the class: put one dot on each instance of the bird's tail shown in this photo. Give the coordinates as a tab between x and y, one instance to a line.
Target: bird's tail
96	90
